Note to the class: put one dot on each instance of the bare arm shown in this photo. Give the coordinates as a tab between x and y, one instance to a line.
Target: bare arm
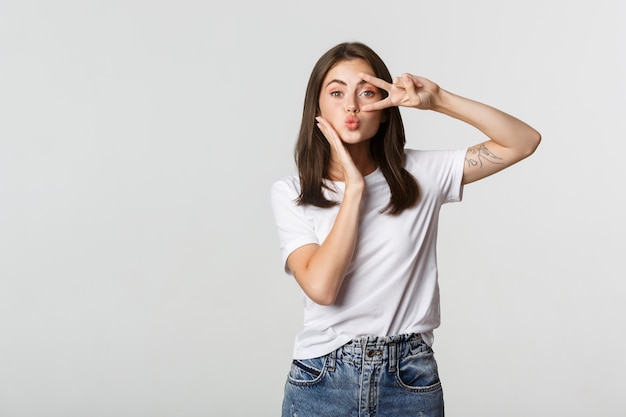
319	269
510	139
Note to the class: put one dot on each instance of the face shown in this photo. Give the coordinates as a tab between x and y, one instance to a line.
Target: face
341	97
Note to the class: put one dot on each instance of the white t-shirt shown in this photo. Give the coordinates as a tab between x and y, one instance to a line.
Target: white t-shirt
391	285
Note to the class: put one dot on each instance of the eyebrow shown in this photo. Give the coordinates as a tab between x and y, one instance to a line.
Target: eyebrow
344	83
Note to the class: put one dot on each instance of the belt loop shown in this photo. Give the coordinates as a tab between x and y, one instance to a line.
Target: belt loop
332	360
393	356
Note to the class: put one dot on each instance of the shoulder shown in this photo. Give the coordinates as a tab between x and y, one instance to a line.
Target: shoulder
429	160
438	171
286	185
422	155
285	191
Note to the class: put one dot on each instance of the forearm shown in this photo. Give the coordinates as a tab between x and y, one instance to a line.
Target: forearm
502	128
321	275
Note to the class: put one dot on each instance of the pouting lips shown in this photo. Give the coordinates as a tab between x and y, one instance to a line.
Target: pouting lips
352	122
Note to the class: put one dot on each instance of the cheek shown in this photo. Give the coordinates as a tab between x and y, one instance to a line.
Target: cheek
329	110
376	119
322	108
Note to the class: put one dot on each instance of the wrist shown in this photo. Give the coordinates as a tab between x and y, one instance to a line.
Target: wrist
442	100
354	189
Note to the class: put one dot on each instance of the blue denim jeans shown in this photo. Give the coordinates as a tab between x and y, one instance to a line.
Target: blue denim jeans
367	377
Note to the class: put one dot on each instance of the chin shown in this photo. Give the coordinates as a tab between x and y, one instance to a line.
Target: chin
354	137
354	141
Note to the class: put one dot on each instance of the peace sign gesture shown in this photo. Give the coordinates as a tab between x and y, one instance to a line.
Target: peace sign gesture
407	91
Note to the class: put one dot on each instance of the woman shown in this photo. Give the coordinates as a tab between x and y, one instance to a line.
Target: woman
358	228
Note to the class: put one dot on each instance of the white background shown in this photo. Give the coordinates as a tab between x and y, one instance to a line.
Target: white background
139	266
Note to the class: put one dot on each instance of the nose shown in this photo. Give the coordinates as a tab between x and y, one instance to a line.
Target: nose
352	108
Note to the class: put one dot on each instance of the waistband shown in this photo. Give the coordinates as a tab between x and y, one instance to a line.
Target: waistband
379	349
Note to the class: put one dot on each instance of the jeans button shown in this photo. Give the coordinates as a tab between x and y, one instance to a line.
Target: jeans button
373	352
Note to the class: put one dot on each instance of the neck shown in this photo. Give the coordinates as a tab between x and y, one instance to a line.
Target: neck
362	158
360	154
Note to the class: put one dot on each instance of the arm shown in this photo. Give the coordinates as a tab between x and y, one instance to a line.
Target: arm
510	139
319	269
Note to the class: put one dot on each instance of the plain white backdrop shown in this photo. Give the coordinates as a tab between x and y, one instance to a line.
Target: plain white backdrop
139	266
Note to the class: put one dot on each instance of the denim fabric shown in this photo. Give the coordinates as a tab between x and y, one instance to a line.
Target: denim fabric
367	377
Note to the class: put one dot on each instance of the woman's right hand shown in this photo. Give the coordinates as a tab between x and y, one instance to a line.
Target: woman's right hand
341	165
320	269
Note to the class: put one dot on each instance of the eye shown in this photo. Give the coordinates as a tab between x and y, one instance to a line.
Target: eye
335	93
368	93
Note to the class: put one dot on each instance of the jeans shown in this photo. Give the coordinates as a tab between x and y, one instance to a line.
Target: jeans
367	377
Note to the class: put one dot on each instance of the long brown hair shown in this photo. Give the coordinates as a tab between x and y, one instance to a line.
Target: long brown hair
312	151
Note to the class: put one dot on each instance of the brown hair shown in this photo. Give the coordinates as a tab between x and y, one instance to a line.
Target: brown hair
312	151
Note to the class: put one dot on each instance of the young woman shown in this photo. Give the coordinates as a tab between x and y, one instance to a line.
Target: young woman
358	229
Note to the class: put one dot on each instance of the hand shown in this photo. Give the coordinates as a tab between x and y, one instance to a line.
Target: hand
407	91
341	163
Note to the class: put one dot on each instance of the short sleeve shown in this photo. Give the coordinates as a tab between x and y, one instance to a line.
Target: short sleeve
294	228
454	184
444	168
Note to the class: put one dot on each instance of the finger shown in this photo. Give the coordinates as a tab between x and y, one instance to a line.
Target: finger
379	105
328	132
409	85
325	127
321	125
414	79
334	141
375	81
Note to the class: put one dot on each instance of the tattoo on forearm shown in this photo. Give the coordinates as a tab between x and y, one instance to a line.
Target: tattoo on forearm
479	154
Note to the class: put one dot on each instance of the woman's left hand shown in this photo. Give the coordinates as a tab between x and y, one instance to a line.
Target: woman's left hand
407	91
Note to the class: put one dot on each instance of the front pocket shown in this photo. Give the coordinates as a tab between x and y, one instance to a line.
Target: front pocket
306	368
419	372
307	371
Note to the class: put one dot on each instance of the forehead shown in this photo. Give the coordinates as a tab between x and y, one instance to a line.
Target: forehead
347	70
